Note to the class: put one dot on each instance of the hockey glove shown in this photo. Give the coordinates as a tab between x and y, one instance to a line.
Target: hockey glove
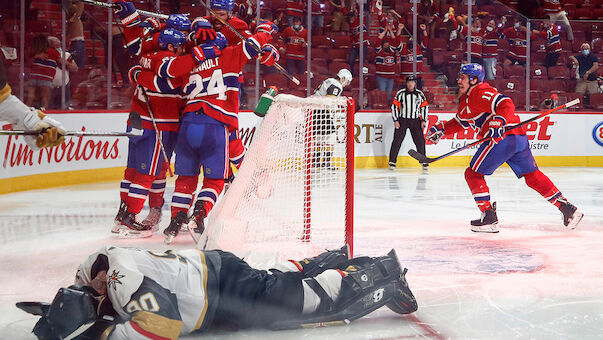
435	133
496	129
206	51
269	55
134	72
51	132
126	12
267	27
150	26
220	41
201	31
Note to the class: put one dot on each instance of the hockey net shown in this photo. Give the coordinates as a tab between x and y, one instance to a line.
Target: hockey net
293	195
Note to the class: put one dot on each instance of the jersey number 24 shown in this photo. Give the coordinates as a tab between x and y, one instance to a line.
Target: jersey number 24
196	86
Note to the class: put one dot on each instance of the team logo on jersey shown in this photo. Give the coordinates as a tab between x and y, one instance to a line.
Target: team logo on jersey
114	279
598	134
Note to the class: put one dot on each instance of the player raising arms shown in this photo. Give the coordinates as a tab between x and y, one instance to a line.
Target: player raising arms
211	111
129	293
484	109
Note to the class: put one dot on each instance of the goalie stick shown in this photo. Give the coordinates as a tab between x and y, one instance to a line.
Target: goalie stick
73	133
141	12
244	40
424	159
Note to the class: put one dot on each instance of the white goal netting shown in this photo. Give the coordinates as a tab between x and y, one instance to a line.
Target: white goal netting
292	192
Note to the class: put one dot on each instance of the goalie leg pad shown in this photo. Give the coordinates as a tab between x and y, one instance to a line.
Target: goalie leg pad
363	290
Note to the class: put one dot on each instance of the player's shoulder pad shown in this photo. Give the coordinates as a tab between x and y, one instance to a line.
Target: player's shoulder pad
123	276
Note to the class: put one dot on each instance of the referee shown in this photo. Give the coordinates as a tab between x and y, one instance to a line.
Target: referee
409	111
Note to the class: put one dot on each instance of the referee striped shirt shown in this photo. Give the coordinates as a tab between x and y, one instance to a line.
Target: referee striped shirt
410	104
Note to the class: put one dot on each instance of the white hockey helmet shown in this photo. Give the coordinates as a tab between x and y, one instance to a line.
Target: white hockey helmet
345	76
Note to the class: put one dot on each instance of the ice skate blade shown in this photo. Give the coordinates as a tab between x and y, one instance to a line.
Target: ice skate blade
168	239
117	228
129	233
200	239
576	218
488	228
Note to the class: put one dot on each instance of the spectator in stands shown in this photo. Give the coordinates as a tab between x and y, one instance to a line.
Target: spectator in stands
295	8
407	57
353	18
121	57
43	69
490	49
386	64
428	13
339	23
75	33
550	103
390	19
553	44
293	45
517	43
477	36
58	82
318	19
245	10
588	64
556	13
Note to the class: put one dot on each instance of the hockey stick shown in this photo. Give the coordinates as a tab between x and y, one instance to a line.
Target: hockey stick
72	133
140	11
424	159
244	39
157	132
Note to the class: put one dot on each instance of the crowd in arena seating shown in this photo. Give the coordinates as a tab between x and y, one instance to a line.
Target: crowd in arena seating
499	41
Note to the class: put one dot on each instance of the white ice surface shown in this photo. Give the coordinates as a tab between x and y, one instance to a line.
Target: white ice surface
533	280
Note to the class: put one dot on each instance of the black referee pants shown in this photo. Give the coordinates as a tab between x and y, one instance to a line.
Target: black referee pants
414	125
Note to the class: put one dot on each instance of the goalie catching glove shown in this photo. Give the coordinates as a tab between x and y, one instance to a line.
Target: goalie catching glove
51	131
436	132
269	55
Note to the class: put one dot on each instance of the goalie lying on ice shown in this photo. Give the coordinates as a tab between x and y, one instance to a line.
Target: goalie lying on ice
127	293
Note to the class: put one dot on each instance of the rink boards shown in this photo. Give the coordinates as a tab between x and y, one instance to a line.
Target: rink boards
561	139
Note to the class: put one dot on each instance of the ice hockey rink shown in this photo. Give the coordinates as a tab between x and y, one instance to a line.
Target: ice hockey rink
533	280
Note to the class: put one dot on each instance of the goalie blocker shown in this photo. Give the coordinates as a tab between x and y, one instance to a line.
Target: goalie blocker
340	290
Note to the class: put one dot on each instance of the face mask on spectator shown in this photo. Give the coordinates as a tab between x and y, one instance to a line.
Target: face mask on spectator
516	25
489	28
390	20
296	27
586	51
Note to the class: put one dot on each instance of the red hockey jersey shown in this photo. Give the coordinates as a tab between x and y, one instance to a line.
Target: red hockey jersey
490	44
240	25
478	107
295	43
386	61
517	43
407	57
295	8
164	95
212	87
477	39
553	44
552	6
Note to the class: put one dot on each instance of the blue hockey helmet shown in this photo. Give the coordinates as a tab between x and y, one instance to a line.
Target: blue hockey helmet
227	5
171	36
473	70
179	22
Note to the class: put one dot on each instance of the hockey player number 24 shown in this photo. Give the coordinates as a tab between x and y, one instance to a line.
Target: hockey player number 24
214	86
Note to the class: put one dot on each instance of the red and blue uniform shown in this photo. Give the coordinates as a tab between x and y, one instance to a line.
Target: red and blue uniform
480	108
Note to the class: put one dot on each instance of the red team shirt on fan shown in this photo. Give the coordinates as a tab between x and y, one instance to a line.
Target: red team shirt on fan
477	39
552	6
294	43
517	43
212	87
490	47
45	68
553	44
407	57
478	107
295	8
386	65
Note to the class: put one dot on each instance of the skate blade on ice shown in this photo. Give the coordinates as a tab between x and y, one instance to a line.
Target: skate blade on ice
130	233
168	239
486	228
576	218
200	239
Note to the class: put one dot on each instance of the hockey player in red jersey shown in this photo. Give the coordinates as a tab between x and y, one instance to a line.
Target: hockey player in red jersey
212	94
484	109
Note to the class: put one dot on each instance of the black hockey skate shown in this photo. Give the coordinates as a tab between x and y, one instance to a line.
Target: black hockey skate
117	223
487	222
133	228
571	215
173	229
330	259
196	225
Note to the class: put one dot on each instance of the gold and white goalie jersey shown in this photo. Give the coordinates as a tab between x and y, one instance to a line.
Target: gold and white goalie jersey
161	295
